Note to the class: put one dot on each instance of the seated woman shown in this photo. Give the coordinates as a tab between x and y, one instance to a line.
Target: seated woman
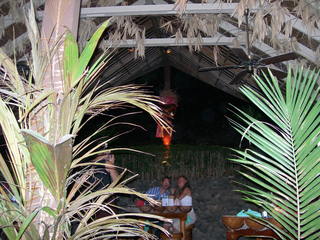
183	198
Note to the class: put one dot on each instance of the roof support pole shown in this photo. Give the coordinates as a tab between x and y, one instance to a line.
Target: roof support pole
59	16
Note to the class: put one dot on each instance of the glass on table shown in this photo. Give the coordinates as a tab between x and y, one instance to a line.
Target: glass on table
171	201
177	202
165	201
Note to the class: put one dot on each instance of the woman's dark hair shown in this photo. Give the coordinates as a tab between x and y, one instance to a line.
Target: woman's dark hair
186	185
166	177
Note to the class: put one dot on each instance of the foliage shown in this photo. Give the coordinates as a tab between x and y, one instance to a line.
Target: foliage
192	161
46	158
285	167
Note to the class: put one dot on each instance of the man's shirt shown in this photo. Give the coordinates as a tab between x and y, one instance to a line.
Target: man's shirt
155	193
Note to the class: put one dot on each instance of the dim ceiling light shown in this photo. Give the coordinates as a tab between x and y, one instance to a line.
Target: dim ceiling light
168	51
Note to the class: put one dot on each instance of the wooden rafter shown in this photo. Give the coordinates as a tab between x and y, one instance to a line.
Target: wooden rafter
171	42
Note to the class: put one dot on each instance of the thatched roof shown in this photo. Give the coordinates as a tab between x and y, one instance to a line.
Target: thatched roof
202	36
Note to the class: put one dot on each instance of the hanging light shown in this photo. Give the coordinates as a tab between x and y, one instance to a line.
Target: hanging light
169	100
166	140
168	51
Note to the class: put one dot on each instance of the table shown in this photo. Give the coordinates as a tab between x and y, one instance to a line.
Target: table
182	216
167	212
244	226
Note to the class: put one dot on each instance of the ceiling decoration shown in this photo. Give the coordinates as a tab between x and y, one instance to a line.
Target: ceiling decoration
199	34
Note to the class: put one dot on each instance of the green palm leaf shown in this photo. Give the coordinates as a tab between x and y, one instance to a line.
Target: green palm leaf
286	166
18	154
51	161
16	84
75	66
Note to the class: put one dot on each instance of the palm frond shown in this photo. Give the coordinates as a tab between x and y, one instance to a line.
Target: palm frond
18	154
286	166
41	150
88	203
52	161
13	80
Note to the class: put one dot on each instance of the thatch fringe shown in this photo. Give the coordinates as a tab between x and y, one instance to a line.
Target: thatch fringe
192	161
126	28
197	26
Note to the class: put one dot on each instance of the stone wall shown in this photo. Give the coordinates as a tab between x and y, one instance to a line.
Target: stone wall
211	176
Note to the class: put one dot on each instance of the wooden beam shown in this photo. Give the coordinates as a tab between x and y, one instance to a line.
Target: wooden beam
302	50
11	32
263	47
188	63
157	9
148	10
298	24
122	77
172	42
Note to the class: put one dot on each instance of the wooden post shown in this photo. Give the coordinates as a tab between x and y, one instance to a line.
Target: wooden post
167	77
59	16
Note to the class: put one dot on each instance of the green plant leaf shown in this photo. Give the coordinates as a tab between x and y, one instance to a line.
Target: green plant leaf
88	51
26	223
70	59
285	168
51	161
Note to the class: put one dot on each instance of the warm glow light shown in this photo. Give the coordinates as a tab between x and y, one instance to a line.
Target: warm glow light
168	51
166	140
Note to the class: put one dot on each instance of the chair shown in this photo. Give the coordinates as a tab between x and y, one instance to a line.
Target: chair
175	236
188	232
179	235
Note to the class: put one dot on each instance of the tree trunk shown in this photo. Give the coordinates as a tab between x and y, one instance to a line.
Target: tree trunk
59	15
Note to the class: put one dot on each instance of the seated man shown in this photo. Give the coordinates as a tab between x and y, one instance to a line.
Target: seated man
162	191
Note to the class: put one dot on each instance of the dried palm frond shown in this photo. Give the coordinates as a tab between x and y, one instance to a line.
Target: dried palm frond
86	3
241	8
180	6
45	160
125	29
140	49
167	26
281	19
278	18
178	36
103	3
216	52
260	30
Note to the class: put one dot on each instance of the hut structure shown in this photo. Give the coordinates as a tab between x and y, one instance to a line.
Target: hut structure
148	34
215	41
